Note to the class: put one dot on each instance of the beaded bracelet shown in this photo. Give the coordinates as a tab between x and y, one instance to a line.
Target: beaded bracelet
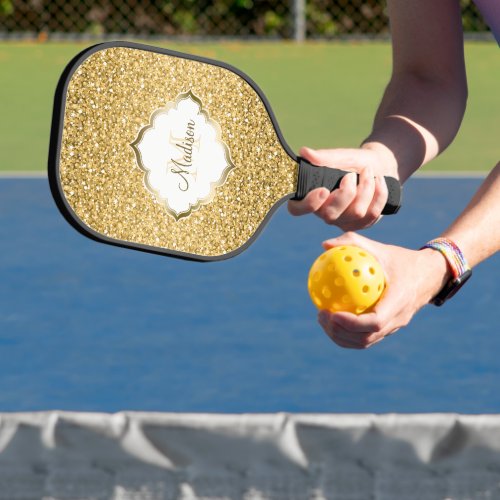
460	269
452	254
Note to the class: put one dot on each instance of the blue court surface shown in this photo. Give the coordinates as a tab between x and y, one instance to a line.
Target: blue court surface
90	327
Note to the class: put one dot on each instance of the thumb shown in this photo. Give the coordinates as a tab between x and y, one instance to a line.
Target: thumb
349	238
321	157
310	155
352	159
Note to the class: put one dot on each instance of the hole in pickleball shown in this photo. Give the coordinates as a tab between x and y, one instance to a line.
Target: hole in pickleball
317	300
379	287
356	273
317	276
336	306
366	289
372	270
327	293
363	254
346	299
360	309
339	281
348	258
330	268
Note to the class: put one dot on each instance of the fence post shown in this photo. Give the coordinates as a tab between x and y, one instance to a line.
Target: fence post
299	20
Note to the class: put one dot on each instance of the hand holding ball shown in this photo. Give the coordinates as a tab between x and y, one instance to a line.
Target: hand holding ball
346	278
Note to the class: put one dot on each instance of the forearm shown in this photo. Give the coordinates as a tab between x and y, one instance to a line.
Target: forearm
416	120
477	230
424	103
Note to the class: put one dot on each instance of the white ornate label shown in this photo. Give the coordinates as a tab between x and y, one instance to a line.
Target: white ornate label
182	155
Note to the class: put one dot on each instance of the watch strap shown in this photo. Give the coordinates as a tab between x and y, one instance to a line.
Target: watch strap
458	265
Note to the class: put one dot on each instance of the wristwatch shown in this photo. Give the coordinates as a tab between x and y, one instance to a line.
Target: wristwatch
460	270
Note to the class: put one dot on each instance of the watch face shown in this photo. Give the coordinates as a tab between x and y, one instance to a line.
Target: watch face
451	288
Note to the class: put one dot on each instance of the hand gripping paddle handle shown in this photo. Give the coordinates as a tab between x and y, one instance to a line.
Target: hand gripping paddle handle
312	177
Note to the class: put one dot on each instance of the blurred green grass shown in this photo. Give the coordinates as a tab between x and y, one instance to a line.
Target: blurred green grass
323	95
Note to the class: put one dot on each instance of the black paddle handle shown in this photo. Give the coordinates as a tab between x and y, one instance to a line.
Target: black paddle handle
312	177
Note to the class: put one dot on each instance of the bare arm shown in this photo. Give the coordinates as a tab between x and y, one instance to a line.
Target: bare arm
477	230
418	117
424	102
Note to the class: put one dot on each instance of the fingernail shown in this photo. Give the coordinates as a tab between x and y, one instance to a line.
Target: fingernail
324	194
328	244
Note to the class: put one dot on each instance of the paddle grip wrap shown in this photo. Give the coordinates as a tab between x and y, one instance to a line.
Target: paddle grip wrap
312	177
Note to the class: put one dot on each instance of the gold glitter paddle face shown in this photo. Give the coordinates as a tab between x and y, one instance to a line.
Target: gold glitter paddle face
170	153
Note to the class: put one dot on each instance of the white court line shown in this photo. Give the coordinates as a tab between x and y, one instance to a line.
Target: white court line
454	174
23	175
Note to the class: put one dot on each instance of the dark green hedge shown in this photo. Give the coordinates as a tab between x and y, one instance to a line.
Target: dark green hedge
325	18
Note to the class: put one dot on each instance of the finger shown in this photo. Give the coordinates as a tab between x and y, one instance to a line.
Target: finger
365	191
338	334
362	324
311	203
382	320
353	341
341	340
392	310
373	342
393	332
380	195
343	343
348	338
366	208
362	340
338	201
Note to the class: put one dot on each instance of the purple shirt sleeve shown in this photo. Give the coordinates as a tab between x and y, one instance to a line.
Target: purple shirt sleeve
490	9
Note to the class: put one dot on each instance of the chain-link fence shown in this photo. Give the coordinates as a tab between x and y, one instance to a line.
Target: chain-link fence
206	18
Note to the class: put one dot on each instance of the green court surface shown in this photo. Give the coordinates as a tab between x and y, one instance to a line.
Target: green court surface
323	95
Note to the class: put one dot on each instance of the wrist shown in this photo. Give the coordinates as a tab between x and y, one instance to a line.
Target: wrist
437	272
386	157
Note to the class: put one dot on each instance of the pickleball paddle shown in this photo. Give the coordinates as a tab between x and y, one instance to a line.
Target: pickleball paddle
172	153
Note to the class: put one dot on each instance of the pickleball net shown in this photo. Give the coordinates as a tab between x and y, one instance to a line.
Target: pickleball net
159	456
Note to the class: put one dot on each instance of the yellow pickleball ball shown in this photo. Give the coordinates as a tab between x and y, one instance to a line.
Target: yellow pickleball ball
346	278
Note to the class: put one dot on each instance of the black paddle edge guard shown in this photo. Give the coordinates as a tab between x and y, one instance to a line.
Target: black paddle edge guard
313	177
56	138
